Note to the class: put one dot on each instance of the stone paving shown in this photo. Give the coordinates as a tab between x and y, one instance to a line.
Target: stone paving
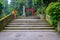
29	35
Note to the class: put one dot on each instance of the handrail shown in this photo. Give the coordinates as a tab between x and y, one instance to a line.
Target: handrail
4	17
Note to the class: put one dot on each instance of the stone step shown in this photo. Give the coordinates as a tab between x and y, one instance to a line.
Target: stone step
28	31
28	28
27	20
28	24
29	17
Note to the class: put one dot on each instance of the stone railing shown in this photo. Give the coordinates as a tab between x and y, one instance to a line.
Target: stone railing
48	18
49	21
5	20
58	26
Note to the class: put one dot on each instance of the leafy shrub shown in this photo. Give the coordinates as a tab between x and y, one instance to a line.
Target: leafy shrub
53	10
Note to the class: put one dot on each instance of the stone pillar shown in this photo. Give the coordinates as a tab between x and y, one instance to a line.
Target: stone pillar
23	11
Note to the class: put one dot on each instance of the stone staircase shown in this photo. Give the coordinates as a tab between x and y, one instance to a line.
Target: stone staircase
24	24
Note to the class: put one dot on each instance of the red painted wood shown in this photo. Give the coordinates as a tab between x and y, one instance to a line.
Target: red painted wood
31	10
14	13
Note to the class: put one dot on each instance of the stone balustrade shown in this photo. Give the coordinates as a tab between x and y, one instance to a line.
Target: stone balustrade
58	26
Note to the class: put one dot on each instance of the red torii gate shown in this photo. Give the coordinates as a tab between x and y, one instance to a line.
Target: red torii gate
31	10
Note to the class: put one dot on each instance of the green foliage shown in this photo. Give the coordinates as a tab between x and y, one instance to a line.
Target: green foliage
58	0
53	10
1	9
37	3
46	2
1	6
18	5
19	13
28	13
38	12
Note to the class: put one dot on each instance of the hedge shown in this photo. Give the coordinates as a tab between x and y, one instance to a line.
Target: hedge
53	10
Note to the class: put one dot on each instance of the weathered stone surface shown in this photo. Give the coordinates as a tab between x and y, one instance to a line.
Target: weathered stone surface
29	35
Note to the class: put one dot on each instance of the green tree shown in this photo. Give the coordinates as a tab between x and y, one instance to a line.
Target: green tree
46	2
1	8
